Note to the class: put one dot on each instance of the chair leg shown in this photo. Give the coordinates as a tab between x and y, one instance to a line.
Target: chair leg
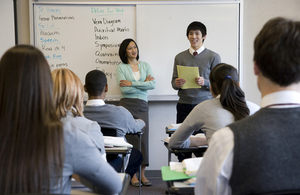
140	148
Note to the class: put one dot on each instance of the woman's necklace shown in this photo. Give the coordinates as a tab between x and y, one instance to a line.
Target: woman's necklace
135	67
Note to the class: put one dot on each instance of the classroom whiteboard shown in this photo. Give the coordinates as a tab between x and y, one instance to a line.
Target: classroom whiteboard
83	37
163	36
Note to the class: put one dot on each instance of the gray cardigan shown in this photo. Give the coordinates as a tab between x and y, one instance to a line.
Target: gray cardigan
83	158
209	116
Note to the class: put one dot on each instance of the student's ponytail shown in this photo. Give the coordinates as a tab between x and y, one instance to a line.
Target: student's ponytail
224	81
233	99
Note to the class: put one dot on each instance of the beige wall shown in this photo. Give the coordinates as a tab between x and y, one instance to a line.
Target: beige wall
7	34
256	14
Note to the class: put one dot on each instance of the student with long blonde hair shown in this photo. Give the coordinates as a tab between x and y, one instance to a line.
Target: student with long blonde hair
68	101
38	154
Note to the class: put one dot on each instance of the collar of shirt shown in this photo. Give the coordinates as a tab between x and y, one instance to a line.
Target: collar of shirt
95	102
281	97
198	51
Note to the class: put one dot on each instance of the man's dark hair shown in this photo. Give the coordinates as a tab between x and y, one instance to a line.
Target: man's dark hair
95	81
277	51
196	26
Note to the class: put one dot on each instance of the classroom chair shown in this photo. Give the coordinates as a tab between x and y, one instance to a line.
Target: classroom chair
199	150
113	132
284	192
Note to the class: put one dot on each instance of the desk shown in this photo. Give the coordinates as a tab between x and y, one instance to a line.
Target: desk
178	187
119	150
78	188
175	182
183	150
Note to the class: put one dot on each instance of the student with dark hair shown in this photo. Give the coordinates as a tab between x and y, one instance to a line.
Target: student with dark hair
135	78
228	105
260	154
38	153
111	116
196	56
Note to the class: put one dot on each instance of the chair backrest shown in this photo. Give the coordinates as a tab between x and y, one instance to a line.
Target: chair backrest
109	131
282	192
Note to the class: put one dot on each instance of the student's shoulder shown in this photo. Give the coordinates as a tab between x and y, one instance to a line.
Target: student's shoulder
123	109
113	109
252	107
210	52
81	123
71	132
183	53
209	105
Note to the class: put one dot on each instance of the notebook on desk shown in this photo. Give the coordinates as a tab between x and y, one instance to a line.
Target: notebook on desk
173	127
110	141
169	175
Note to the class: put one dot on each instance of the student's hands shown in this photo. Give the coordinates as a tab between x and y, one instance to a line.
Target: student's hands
125	83
179	82
142	120
200	81
197	141
149	78
76	177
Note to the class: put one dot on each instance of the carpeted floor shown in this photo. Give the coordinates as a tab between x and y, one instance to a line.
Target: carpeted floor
158	187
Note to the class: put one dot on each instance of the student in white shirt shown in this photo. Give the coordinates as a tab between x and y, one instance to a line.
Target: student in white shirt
260	153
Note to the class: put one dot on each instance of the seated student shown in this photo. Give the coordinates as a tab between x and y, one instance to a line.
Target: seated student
38	153
112	116
68	101
228	105
260	154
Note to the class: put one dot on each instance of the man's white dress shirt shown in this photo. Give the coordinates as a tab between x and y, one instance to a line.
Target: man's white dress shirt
215	170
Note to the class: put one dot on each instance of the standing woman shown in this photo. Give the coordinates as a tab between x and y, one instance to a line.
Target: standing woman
135	78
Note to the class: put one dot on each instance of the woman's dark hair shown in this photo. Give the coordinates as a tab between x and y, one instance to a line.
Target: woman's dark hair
224	81
122	50
31	134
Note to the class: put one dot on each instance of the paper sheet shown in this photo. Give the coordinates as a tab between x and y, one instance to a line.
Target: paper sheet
189	74
116	141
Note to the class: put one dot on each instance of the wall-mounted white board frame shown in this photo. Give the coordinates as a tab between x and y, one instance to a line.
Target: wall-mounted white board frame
160	32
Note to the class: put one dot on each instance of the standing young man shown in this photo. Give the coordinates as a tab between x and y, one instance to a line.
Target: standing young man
260	154
196	56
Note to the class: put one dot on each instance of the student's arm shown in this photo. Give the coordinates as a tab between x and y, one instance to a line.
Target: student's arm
132	125
216	167
88	163
95	134
193	122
